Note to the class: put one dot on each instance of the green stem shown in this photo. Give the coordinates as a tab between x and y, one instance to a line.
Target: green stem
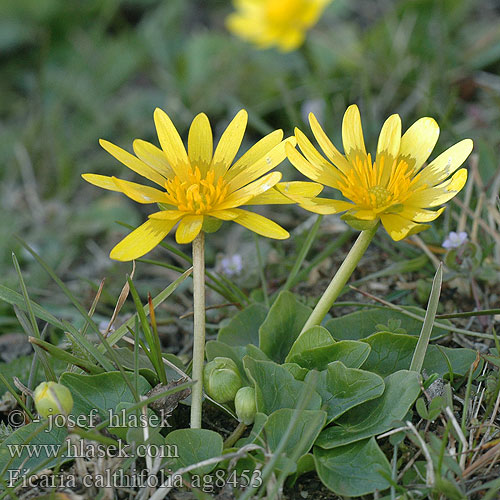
199	329
340	279
235	435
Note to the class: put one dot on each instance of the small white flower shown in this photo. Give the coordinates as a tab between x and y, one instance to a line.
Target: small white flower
231	265
454	240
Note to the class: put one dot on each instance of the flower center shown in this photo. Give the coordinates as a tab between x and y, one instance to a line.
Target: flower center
197	195
378	195
380	186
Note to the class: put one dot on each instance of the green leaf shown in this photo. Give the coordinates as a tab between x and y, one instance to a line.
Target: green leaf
305	464
297	371
377	416
44	443
343	388
21	368
351	352
282	326
276	387
244	327
361	324
305	431
255	433
353	470
314	338
391	352
193	446
103	392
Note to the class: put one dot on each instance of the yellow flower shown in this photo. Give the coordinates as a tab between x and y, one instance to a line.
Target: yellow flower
396	188
200	186
275	22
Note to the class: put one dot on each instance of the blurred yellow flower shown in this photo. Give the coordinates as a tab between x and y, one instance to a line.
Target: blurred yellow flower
275	22
397	188
200	185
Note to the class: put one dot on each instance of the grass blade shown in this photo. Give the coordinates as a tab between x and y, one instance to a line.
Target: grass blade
425	334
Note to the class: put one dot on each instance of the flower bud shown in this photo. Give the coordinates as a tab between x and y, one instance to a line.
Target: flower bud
222	379
52	398
244	403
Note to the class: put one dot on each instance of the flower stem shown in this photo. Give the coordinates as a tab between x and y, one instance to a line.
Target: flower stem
199	328
340	279
235	435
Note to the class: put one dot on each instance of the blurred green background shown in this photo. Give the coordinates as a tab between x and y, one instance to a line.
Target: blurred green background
75	71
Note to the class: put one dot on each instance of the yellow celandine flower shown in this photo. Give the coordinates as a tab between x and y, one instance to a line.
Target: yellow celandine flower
275	22
201	185
396	188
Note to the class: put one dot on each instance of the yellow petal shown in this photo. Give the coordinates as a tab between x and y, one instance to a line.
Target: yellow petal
171	143
223	214
167	215
153	156
188	228
352	135
246	193
332	153
432	197
365	214
420	214
278	194
254	154
315	158
132	162
388	145
140	193
324	175
260	224
200	143
324	206
418	142
398	227
261	166
141	240
230	143
445	164
102	181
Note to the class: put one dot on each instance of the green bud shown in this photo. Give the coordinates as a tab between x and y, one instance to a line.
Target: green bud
52	398
244	403
222	379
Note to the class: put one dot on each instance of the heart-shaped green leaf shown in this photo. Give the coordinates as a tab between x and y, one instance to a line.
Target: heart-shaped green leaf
192	446
391	352
353	470
307	426
15	456
276	388
282	326
343	388
244	327
103	392
376	416
361	324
